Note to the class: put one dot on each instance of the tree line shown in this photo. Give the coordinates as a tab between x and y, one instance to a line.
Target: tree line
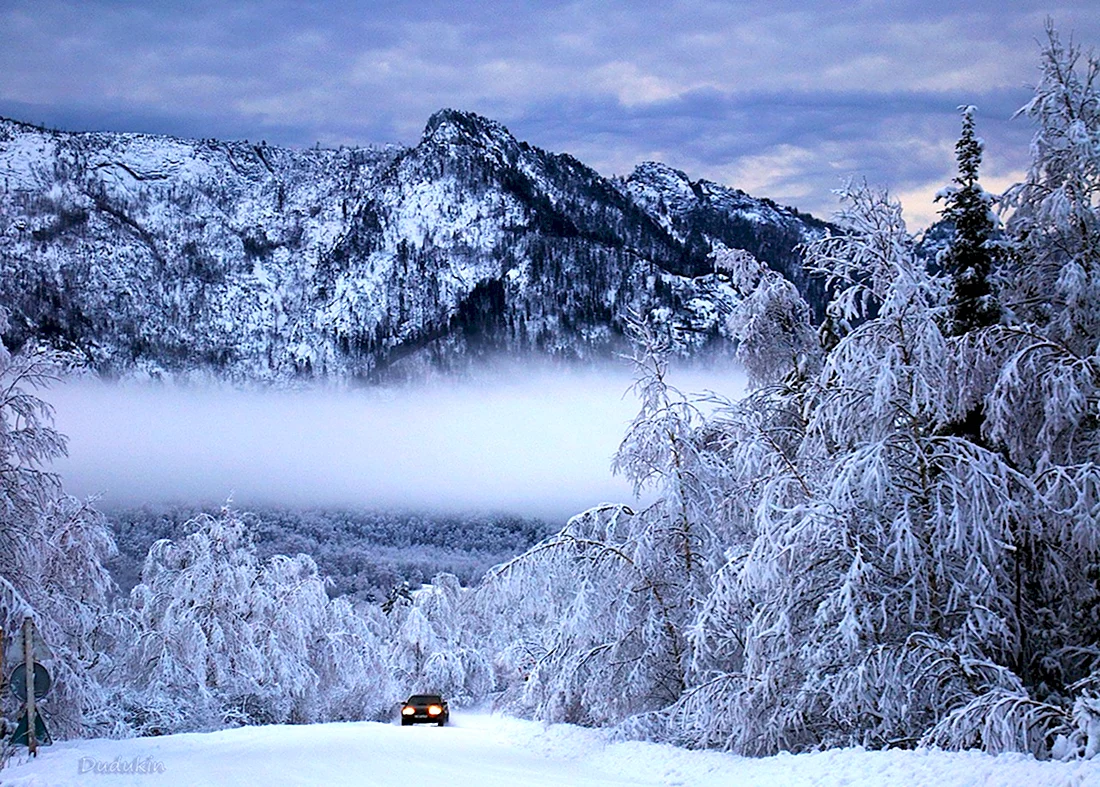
890	540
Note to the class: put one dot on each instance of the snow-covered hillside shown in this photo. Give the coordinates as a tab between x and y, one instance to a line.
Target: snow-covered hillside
495	751
163	256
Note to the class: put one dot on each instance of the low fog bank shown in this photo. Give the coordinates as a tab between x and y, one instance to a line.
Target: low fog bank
534	441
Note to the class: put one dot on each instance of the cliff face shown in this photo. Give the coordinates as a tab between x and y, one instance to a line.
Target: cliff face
169	257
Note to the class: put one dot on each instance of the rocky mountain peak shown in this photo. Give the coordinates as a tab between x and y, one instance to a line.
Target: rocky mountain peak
653	183
452	127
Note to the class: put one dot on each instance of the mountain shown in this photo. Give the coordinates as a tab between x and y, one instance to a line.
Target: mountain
165	257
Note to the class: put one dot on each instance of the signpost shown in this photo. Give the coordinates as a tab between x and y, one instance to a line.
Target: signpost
30	682
21	736
41	681
28	661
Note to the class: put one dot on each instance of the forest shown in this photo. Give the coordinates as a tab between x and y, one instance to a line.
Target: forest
892	540
366	554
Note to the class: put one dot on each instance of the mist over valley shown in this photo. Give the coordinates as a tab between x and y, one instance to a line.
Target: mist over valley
532	440
379	485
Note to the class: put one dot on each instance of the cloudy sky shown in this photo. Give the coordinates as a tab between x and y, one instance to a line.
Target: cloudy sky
782	98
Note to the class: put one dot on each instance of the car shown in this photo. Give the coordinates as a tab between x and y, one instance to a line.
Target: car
430	708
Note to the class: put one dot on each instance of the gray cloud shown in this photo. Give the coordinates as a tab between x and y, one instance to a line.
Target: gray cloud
806	143
781	98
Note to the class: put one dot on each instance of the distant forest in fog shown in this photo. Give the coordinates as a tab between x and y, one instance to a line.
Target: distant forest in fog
366	553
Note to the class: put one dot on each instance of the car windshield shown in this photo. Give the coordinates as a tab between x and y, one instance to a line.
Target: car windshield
424	699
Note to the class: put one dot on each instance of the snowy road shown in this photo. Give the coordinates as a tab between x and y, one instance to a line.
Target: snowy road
480	750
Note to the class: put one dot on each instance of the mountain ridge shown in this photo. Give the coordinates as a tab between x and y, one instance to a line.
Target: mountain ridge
167	257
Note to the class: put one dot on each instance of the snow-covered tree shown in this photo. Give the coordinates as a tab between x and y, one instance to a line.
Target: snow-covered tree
433	643
1053	213
223	638
772	322
605	604
1042	408
907	583
52	546
797	616
661	452
603	641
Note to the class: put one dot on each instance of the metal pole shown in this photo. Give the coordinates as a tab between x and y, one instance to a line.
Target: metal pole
28	660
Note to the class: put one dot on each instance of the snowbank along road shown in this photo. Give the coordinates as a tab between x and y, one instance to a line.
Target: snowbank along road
482	750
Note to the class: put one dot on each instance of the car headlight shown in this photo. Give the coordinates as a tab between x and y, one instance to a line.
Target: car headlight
408	710
434	710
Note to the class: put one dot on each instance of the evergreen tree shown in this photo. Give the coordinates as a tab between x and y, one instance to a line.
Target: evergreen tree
970	257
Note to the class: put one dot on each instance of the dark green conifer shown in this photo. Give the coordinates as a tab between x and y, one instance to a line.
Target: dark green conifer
970	258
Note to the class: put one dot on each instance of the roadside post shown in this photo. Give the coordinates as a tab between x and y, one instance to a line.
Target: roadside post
30	681
28	661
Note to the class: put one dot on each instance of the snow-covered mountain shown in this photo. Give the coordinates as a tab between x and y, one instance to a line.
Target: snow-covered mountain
166	257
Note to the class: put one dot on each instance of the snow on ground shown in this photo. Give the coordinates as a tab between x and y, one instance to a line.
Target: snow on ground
485	750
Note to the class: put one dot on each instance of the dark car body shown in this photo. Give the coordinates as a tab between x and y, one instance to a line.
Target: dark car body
425	708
